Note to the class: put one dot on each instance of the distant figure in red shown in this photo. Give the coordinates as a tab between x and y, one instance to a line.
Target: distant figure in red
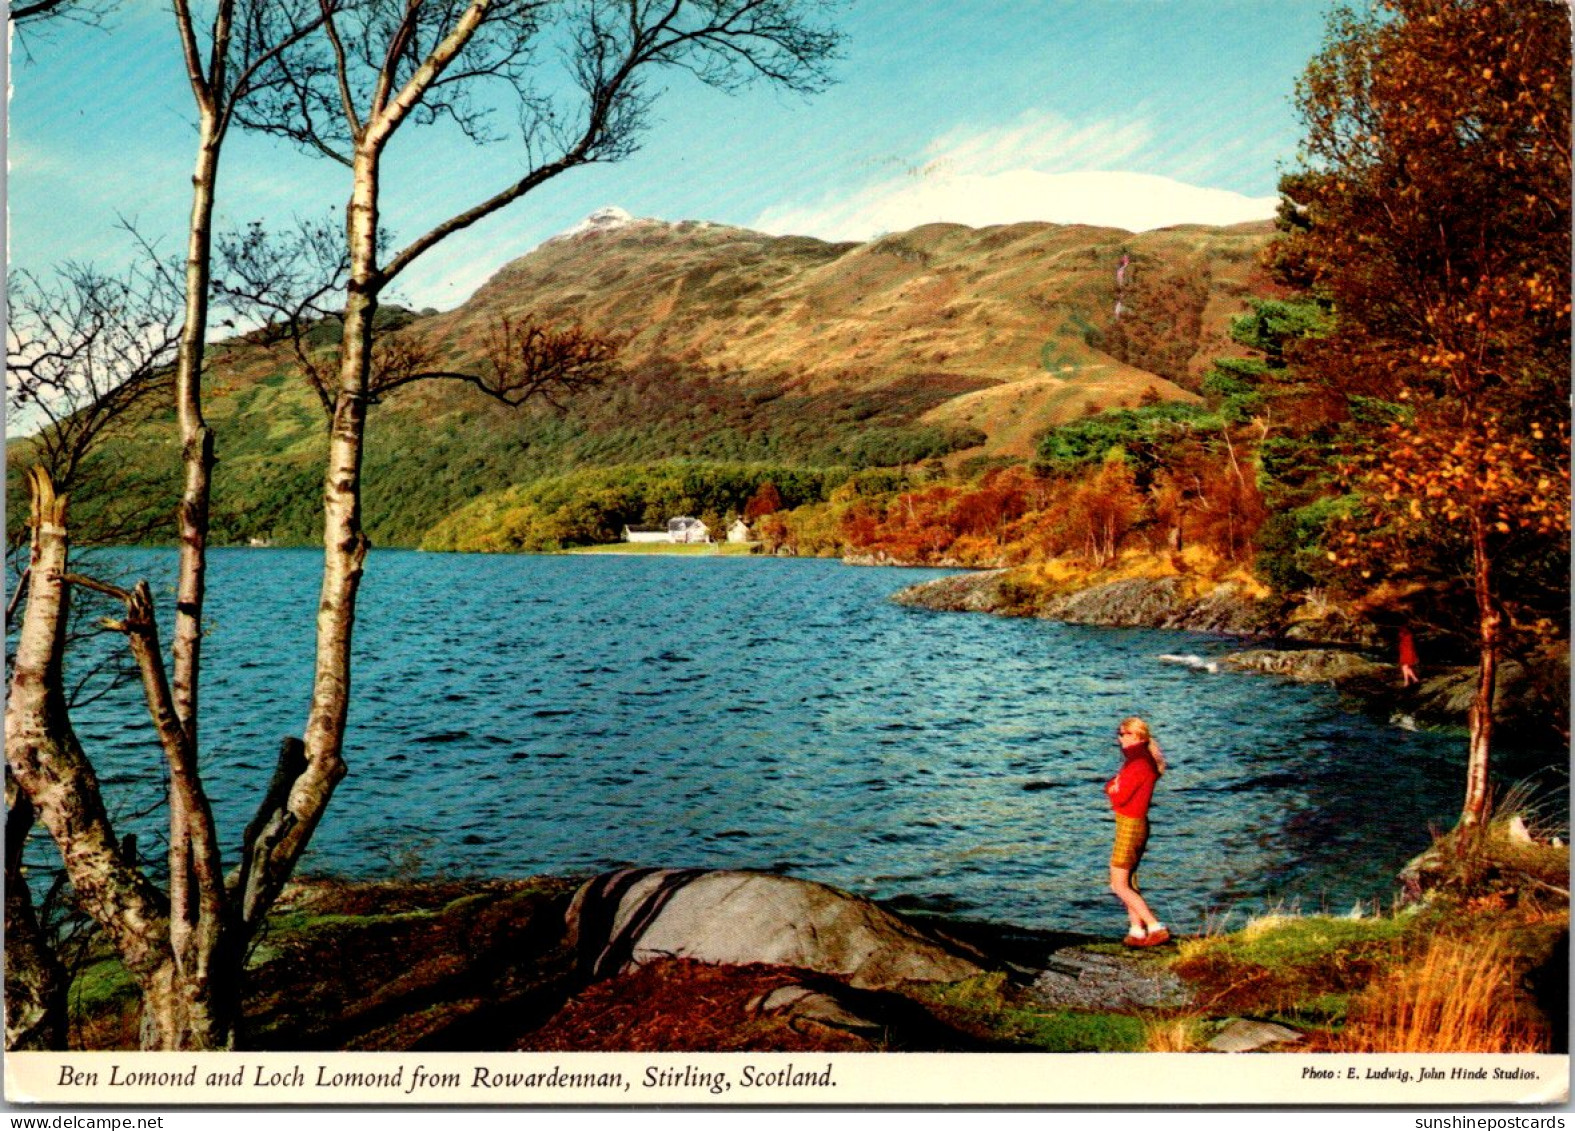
1130	792
1408	660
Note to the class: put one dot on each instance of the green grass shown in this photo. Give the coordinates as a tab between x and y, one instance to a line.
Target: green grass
1286	940
988	1007
1070	1031
335	920
714	549
1298	970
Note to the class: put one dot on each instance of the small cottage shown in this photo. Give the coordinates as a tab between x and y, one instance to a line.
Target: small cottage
740	532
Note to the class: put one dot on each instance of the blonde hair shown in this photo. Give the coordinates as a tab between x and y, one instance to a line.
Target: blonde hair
1140	728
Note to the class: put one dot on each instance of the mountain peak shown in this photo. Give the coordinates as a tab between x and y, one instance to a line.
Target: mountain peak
605	219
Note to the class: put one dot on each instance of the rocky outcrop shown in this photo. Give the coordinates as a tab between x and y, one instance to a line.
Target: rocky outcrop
982	592
1119	604
1306	665
1230	610
620	919
1244	1034
1443	698
1163	603
1136	602
1449	693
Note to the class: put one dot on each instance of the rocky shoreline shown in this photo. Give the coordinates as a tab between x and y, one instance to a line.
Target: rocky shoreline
670	959
1281	638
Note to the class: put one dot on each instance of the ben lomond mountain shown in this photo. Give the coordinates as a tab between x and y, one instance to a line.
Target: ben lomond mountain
1026	310
740	347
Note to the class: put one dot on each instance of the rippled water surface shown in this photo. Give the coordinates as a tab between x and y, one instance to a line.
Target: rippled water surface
517	715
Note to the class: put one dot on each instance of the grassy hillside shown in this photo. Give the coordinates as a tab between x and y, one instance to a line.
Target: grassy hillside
940	344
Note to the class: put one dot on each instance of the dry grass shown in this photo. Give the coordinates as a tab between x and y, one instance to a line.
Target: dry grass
1174	1034
1460	995
1199	568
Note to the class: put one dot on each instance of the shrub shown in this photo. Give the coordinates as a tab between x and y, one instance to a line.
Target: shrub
1291	553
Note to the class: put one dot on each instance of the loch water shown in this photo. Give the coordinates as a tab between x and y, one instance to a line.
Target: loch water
517	715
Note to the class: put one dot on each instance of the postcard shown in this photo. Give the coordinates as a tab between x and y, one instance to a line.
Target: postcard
788	553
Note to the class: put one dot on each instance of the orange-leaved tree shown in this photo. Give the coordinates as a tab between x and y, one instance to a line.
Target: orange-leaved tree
766	500
1433	212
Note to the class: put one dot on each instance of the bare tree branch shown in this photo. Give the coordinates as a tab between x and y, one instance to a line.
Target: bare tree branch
725	43
524	361
90	10
286	281
81	352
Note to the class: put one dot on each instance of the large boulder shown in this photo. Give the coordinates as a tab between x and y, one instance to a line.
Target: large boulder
620	919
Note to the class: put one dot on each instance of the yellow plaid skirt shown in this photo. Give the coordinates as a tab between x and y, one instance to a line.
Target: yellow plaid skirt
1131	839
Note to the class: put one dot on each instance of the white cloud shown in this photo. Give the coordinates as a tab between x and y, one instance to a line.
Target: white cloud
1042	141
1136	202
1038	168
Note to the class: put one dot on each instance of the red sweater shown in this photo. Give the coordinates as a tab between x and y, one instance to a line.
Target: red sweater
1132	788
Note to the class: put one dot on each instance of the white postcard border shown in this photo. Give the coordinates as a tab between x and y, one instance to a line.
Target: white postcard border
781	1079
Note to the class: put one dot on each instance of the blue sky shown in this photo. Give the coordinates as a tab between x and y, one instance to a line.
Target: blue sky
975	111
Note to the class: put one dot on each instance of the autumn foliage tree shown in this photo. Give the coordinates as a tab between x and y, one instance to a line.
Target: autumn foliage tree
766	500
1433	213
1102	509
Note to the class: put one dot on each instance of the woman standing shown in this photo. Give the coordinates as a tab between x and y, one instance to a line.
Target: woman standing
1130	792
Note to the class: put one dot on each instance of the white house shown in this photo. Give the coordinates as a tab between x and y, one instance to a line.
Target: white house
685	529
645	534
740	532
680	530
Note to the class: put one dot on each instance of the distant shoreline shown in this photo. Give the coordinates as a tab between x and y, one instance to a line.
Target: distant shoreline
675	549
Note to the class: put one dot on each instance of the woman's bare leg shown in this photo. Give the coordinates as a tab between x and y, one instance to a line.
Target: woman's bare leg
1138	913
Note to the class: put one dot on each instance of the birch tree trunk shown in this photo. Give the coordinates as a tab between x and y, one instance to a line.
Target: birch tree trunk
50	767
180	951
196	437
1489	631
344	557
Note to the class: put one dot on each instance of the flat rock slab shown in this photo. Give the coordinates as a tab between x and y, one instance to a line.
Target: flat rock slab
802	1006
1247	1035
1081	979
